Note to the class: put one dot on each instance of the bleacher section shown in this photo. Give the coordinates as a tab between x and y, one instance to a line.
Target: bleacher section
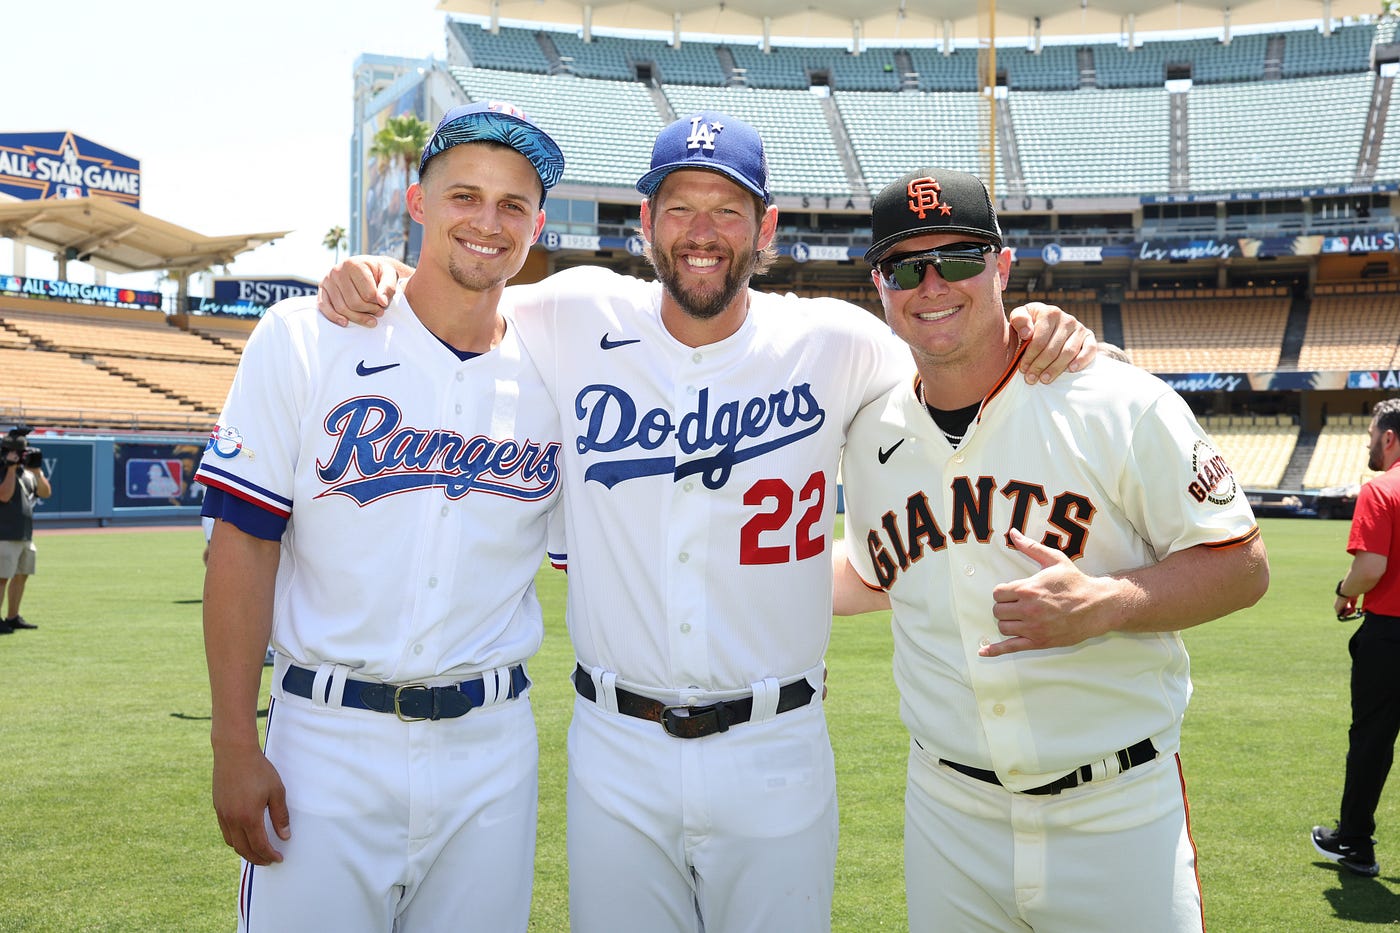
872	70
1270	135
1094	142
1309	52
789	123
1341	453
605	128
885	128
1256	447
511	50
1186	333
89	367
1243	130
1054	68
1347	330
938	72
615	58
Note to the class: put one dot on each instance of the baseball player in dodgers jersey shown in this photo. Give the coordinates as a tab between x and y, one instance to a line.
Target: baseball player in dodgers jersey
396	483
1044	787
703	423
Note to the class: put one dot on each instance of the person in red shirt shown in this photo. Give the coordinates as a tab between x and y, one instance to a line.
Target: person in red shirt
1375	650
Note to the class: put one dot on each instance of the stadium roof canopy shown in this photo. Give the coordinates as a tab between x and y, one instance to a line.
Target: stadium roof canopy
915	21
118	238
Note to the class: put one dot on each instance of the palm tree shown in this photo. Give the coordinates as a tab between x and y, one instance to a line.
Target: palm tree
400	142
335	240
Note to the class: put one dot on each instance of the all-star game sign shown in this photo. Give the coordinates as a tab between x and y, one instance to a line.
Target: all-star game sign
36	166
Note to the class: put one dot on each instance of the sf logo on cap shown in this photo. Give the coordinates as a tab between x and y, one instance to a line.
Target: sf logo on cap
923	197
702	134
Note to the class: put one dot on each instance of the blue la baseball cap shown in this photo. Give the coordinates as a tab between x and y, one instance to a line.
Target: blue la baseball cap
714	141
496	121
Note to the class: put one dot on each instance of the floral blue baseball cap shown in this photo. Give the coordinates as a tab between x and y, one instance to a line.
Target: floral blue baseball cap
496	121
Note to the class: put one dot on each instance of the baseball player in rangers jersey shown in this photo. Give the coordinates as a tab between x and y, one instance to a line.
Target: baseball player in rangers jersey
703	424
382	498
1043	686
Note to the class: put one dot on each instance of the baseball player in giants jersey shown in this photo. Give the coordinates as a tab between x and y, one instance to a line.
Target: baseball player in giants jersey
382	498
703	423
1042	686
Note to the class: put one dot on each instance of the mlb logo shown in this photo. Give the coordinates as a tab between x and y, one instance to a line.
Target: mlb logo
67	191
154	479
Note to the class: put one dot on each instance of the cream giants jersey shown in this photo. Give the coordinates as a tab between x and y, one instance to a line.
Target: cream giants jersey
1108	466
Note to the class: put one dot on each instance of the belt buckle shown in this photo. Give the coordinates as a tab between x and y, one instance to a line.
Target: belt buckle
707	720
398	698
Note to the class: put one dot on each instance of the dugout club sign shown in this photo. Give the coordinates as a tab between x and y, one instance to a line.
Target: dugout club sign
39	166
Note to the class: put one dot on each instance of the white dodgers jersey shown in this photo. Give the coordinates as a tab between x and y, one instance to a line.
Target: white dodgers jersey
701	481
418	487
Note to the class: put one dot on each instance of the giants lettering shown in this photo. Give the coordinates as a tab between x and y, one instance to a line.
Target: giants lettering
903	540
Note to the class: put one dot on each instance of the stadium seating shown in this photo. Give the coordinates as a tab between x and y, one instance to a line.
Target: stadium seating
946	129
53	388
83	366
1352	332
1257	449
1341	453
583	117
511	49
1247	136
789	124
1094	142
1193	335
1309	52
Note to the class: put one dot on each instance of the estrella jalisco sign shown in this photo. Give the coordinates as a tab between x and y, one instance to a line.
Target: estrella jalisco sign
36	166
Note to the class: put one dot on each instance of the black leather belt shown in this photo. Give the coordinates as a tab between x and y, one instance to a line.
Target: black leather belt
693	722
409	702
1130	757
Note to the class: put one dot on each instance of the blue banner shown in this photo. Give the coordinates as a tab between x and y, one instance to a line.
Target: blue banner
36	166
29	287
250	296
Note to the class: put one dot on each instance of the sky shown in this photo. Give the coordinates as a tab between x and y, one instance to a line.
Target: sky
240	113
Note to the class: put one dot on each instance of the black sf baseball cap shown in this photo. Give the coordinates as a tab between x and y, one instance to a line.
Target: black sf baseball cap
930	200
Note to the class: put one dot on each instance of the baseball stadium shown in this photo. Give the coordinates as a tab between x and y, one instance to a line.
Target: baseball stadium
1212	186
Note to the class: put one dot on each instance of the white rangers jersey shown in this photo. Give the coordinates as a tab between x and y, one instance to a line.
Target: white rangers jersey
701	481
418	488
1110	467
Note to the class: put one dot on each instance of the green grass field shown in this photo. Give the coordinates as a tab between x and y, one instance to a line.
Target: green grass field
105	820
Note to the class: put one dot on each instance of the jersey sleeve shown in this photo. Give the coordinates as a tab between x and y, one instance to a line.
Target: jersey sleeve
1176	488
252	452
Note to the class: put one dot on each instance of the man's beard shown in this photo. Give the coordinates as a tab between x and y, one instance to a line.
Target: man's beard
702	306
472	279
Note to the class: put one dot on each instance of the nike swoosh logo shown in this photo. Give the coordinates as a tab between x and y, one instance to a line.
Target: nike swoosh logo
607	344
885	455
362	370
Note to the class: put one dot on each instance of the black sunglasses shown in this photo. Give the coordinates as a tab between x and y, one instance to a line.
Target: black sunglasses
953	263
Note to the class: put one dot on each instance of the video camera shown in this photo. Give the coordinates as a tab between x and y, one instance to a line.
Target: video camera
17	442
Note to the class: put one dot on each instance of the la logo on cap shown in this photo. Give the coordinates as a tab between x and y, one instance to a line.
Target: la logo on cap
703	133
924	194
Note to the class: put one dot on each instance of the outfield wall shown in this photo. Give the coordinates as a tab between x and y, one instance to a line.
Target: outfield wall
120	480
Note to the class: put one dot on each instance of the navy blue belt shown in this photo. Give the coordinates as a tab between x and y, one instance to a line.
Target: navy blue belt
409	702
1130	757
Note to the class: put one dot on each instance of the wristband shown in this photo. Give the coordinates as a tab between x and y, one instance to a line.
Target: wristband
1339	590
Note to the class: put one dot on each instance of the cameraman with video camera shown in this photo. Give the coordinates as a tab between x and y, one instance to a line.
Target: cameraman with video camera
22	484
